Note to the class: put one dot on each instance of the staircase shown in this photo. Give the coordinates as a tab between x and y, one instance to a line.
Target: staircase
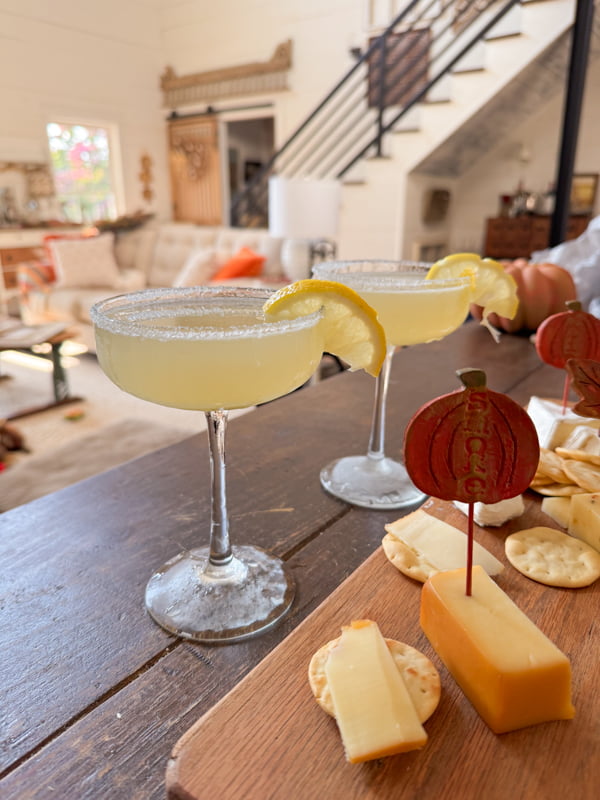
434	92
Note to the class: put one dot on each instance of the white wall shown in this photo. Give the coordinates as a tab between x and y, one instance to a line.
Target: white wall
78	58
476	193
88	60
201	36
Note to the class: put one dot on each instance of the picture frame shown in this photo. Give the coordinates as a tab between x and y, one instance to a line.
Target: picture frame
584	188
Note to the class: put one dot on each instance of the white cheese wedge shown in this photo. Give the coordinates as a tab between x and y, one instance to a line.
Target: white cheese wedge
552	426
494	514
584	519
438	545
558	509
373	709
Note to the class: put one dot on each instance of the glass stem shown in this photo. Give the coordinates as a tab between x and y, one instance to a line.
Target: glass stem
377	438
220	546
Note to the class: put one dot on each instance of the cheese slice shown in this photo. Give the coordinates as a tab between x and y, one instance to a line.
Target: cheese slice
439	545
552	426
584	519
373	709
558	508
509	670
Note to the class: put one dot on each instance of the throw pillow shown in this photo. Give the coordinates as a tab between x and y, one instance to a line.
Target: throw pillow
85	263
245	263
198	268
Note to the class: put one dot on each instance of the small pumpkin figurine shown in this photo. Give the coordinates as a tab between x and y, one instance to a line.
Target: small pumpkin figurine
472	445
569	334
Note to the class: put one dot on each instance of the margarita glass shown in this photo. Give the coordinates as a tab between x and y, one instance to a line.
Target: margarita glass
412	310
209	349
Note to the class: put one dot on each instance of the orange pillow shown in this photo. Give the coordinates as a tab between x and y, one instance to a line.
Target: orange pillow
244	264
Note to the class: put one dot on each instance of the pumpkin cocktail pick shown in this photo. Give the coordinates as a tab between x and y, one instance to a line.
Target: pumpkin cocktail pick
585	377
472	445
569	334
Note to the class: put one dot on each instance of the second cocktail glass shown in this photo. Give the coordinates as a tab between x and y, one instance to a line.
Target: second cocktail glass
412	310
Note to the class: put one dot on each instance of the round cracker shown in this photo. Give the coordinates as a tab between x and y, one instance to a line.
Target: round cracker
420	676
551	464
583	474
411	564
558	489
578	455
553	558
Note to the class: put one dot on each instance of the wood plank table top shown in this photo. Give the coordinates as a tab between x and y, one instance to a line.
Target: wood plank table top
95	696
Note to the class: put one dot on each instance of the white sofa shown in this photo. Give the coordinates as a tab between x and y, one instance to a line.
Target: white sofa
155	255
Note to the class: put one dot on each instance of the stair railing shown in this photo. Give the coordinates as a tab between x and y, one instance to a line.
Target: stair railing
421	45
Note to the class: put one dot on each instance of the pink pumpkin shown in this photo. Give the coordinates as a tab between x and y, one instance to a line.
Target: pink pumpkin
543	290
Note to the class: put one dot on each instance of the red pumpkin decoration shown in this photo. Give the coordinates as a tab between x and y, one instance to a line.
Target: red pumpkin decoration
542	289
570	334
585	378
472	445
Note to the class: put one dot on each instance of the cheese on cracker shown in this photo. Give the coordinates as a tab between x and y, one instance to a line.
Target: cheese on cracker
373	709
420	545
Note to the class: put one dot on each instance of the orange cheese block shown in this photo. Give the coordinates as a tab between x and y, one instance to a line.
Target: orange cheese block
510	671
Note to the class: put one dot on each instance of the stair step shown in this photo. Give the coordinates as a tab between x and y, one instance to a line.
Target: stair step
511	24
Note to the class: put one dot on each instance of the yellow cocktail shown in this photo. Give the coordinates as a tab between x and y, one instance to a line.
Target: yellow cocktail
208	358
412	310
210	349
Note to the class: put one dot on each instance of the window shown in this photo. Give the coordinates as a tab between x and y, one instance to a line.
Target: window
83	160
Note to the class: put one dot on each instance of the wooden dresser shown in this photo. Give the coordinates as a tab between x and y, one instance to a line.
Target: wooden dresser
516	237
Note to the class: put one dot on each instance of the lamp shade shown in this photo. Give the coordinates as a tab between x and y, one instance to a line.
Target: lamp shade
303	208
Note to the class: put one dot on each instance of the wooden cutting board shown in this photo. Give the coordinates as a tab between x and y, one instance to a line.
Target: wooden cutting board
269	739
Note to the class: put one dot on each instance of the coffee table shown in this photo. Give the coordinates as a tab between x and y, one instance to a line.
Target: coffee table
14	335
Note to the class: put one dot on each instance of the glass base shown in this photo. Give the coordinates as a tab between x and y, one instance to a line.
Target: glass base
380	483
192	599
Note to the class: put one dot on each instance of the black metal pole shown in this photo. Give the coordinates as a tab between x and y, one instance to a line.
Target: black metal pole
580	45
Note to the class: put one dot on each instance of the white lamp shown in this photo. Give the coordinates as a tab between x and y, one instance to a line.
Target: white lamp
305	212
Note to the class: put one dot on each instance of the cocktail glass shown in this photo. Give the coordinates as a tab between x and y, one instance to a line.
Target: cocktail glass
209	349
412	310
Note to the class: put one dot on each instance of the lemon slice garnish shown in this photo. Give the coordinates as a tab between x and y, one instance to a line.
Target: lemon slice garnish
494	289
352	330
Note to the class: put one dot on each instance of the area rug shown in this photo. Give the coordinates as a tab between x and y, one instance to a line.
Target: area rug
114	444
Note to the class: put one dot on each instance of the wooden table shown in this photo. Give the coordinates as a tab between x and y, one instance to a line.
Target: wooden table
94	694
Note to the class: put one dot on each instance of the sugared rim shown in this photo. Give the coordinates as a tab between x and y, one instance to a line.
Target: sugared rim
124	313
397	276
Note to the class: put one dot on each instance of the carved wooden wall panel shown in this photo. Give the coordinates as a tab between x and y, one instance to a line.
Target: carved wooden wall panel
195	170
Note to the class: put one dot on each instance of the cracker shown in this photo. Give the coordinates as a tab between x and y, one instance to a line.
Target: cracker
411	564
553	558
551	465
558	489
578	455
585	475
420	676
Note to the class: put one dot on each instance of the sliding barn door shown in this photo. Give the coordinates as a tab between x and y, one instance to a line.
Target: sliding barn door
195	170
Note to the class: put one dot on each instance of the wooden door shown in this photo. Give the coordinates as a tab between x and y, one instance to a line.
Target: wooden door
195	170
